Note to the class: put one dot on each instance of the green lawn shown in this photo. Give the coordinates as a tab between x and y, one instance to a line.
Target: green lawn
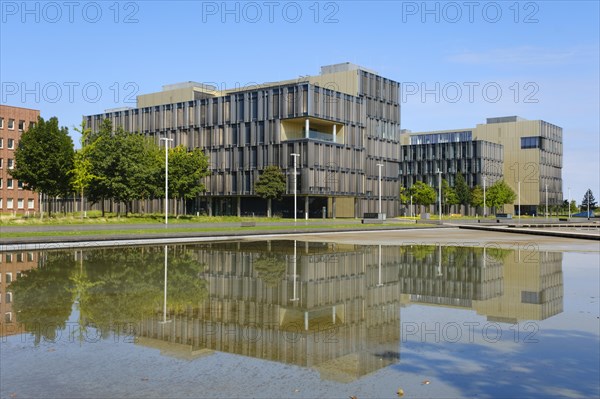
95	217
134	232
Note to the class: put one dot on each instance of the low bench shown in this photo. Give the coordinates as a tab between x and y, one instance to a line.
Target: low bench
372	221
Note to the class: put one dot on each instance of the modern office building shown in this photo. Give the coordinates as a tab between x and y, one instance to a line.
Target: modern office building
527	154
343	124
13	122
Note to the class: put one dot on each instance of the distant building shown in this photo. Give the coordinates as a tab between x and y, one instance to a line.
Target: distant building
14	121
527	154
342	123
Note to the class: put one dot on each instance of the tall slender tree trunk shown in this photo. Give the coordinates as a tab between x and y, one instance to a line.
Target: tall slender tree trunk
269	207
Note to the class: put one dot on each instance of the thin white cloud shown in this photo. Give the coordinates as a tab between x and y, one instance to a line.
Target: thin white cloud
525	55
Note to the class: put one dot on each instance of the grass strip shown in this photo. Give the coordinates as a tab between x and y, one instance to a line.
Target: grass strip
202	230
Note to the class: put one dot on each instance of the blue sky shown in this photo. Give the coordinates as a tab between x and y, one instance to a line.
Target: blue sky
458	62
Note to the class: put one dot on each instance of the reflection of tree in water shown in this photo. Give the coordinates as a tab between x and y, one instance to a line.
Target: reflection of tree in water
43	297
114	288
127	284
271	268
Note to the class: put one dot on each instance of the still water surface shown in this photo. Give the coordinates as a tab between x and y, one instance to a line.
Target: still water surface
298	319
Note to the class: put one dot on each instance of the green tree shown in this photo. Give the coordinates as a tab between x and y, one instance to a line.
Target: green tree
270	185
588	198
81	174
44	159
573	206
499	194
476	199
186	169
423	194
449	196
126	166
463	193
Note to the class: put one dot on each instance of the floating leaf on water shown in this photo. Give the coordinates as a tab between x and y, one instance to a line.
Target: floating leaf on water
426	382
400	392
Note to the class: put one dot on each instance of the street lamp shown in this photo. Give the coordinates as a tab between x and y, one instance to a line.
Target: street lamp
484	207
411	207
439	172
379	165
546	201
295	186
166	140
569	204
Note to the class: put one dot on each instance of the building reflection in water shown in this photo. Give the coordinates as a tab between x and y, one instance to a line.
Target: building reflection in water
331	307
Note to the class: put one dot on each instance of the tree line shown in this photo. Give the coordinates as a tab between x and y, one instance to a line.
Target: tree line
497	195
112	164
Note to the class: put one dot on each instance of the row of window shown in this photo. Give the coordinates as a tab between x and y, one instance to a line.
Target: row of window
11	124
20	257
10	142
10	203
10	184
11	163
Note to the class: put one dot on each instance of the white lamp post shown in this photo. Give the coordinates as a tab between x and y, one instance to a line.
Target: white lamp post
379	165
295	185
411	207
569	204
587	199
166	140
439	172
546	201
484	207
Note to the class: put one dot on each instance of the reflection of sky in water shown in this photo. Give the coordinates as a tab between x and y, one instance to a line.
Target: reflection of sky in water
456	348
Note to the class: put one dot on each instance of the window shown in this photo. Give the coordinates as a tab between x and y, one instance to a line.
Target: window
8	258
20	203
8	317
29	256
0	203
31	125
20	185
11	163
1	181
30	204
19	259
9	184
11	124
1	142
11	144
530	142
1	123
9	203
9	276
21	125
1	163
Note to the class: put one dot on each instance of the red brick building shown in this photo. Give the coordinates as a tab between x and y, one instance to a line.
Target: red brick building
13	122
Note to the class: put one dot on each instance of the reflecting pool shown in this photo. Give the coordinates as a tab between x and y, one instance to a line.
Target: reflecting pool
299	319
